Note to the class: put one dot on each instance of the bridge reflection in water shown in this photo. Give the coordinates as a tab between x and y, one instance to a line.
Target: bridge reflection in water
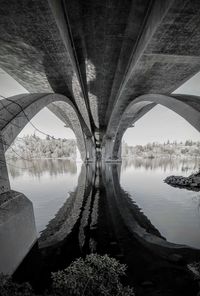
99	216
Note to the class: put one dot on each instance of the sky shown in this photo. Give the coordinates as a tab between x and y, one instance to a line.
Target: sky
158	125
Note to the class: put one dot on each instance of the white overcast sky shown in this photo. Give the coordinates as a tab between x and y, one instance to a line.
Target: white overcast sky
158	125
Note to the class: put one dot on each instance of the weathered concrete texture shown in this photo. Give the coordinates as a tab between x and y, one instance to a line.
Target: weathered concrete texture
103	37
17	111
161	62
17	230
32	51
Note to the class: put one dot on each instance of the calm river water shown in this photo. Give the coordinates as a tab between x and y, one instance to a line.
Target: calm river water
174	212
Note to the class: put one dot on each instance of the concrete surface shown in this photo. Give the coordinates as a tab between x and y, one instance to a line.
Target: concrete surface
102	56
17	230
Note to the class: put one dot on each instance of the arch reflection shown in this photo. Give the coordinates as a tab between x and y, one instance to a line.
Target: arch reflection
99	216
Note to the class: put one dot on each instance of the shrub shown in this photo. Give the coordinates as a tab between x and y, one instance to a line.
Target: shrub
96	275
10	288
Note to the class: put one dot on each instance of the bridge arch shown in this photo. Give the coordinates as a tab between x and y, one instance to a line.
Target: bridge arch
186	106
17	111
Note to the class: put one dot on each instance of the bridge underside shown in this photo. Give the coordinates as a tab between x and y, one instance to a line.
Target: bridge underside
98	66
102	57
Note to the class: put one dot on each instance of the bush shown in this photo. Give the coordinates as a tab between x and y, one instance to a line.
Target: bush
96	275
10	288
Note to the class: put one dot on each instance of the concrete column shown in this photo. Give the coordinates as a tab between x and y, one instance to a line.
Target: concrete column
4	180
119	156
17	230
17	222
107	151
90	150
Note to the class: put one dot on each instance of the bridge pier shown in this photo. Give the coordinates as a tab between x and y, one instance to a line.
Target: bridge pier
17	230
17	222
90	150
101	151
107	151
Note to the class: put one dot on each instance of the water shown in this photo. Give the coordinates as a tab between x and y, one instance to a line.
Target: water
174	212
47	183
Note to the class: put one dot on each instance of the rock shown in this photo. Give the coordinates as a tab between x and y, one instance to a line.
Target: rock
191	182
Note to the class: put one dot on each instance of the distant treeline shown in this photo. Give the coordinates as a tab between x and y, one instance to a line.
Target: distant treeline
169	149
32	146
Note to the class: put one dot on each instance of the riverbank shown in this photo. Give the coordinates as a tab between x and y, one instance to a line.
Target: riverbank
34	147
169	149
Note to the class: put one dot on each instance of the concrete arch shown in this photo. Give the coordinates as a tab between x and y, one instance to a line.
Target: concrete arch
15	113
186	106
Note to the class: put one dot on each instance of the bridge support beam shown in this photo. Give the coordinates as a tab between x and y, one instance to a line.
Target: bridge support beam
17	222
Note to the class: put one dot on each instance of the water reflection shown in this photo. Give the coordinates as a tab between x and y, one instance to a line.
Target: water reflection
97	184
196	199
164	164
37	168
47	183
65	219
51	184
99	216
174	211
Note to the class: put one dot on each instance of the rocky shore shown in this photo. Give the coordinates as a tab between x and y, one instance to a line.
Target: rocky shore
192	182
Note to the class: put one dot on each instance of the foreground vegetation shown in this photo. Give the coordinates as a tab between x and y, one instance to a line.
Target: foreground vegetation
95	276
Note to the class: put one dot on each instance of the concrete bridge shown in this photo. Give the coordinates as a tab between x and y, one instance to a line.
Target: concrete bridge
109	62
97	65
